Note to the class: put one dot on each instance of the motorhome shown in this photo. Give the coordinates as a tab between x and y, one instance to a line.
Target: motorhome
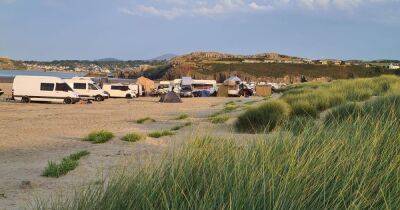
118	90
87	89
43	88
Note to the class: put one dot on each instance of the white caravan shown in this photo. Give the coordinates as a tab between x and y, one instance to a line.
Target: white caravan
42	88
118	91
87	89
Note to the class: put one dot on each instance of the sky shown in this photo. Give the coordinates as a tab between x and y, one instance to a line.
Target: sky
138	29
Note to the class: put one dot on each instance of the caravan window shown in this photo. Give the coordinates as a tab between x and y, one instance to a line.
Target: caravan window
63	87
92	87
46	86
80	86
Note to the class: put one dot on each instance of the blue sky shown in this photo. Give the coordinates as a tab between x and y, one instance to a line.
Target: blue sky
137	29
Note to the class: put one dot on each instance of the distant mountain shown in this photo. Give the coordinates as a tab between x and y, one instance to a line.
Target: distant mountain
108	59
165	57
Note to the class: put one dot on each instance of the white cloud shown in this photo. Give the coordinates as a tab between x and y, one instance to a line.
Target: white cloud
254	6
171	9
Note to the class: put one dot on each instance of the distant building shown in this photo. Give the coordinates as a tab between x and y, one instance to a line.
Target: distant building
394	66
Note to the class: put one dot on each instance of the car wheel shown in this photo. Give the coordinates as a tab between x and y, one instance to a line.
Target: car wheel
68	101
128	96
99	98
25	99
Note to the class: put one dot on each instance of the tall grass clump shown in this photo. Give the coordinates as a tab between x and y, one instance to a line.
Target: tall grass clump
67	164
132	137
182	116
99	137
354	164
263	118
159	134
219	119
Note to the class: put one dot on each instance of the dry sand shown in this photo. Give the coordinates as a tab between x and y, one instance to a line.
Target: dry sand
32	134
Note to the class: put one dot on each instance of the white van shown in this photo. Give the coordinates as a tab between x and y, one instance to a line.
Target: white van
42	88
137	90
86	88
118	91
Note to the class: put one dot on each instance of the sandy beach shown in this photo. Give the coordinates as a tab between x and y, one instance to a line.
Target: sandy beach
33	134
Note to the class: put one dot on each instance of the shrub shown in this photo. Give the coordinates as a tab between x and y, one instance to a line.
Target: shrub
264	118
67	164
144	120
132	137
99	137
182	117
219	119
159	134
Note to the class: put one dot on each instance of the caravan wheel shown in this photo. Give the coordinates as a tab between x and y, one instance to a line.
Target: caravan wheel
68	101
25	99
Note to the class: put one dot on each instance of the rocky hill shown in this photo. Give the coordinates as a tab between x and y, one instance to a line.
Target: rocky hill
272	67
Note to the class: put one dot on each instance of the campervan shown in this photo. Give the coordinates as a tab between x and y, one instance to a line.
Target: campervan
87	89
118	90
42	88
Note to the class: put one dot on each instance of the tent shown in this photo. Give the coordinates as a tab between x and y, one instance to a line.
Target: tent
147	84
170	97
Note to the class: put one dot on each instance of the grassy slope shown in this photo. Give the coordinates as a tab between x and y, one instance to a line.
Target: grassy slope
346	162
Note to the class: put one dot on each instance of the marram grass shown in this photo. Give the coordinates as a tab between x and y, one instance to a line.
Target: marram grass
67	164
99	137
351	165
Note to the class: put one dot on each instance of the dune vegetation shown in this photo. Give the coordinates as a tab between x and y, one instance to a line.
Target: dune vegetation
67	164
99	137
133	137
344	157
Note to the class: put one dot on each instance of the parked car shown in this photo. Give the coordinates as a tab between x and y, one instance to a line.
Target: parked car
118	91
1	92
43	88
87	89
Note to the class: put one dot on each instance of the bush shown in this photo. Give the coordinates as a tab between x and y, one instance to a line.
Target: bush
264	118
99	137
144	120
67	164
159	134
132	137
